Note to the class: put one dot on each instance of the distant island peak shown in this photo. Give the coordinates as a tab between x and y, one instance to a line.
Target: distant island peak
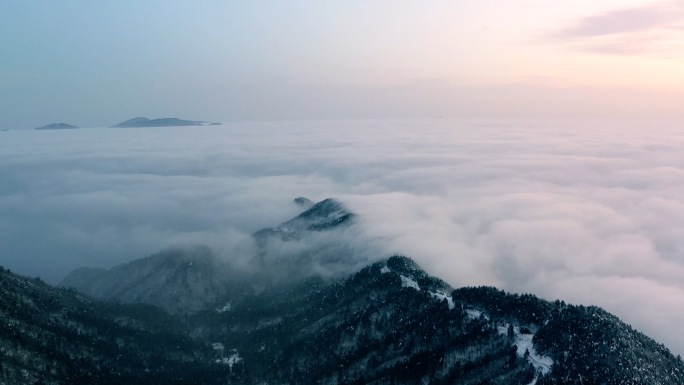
56	126
161	122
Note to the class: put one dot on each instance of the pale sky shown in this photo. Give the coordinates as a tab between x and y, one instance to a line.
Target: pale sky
98	63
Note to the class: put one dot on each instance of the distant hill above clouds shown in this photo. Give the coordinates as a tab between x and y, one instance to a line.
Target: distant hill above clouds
325	215
56	126
161	122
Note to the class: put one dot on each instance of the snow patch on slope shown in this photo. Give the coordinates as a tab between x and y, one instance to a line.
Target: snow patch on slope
225	308
408	282
442	296
542	364
476	313
231	360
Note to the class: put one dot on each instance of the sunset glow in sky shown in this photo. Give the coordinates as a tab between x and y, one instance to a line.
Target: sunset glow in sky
94	64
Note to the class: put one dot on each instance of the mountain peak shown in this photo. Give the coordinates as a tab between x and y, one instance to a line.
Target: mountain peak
325	215
404	264
412	275
303	202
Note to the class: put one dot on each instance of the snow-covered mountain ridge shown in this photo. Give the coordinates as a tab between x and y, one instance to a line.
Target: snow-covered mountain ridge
393	323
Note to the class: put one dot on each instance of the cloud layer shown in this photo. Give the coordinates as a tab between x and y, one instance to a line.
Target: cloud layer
588	212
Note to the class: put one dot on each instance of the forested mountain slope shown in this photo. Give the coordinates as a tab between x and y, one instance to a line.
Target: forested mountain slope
57	336
390	323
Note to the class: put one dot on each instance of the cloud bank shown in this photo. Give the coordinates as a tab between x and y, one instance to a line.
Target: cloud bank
588	212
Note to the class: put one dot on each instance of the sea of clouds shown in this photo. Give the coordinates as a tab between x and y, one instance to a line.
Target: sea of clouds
588	212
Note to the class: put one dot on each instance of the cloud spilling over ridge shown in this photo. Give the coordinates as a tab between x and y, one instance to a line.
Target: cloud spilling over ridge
589	212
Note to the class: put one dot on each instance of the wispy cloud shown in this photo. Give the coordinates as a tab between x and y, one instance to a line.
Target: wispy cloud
650	29
622	21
